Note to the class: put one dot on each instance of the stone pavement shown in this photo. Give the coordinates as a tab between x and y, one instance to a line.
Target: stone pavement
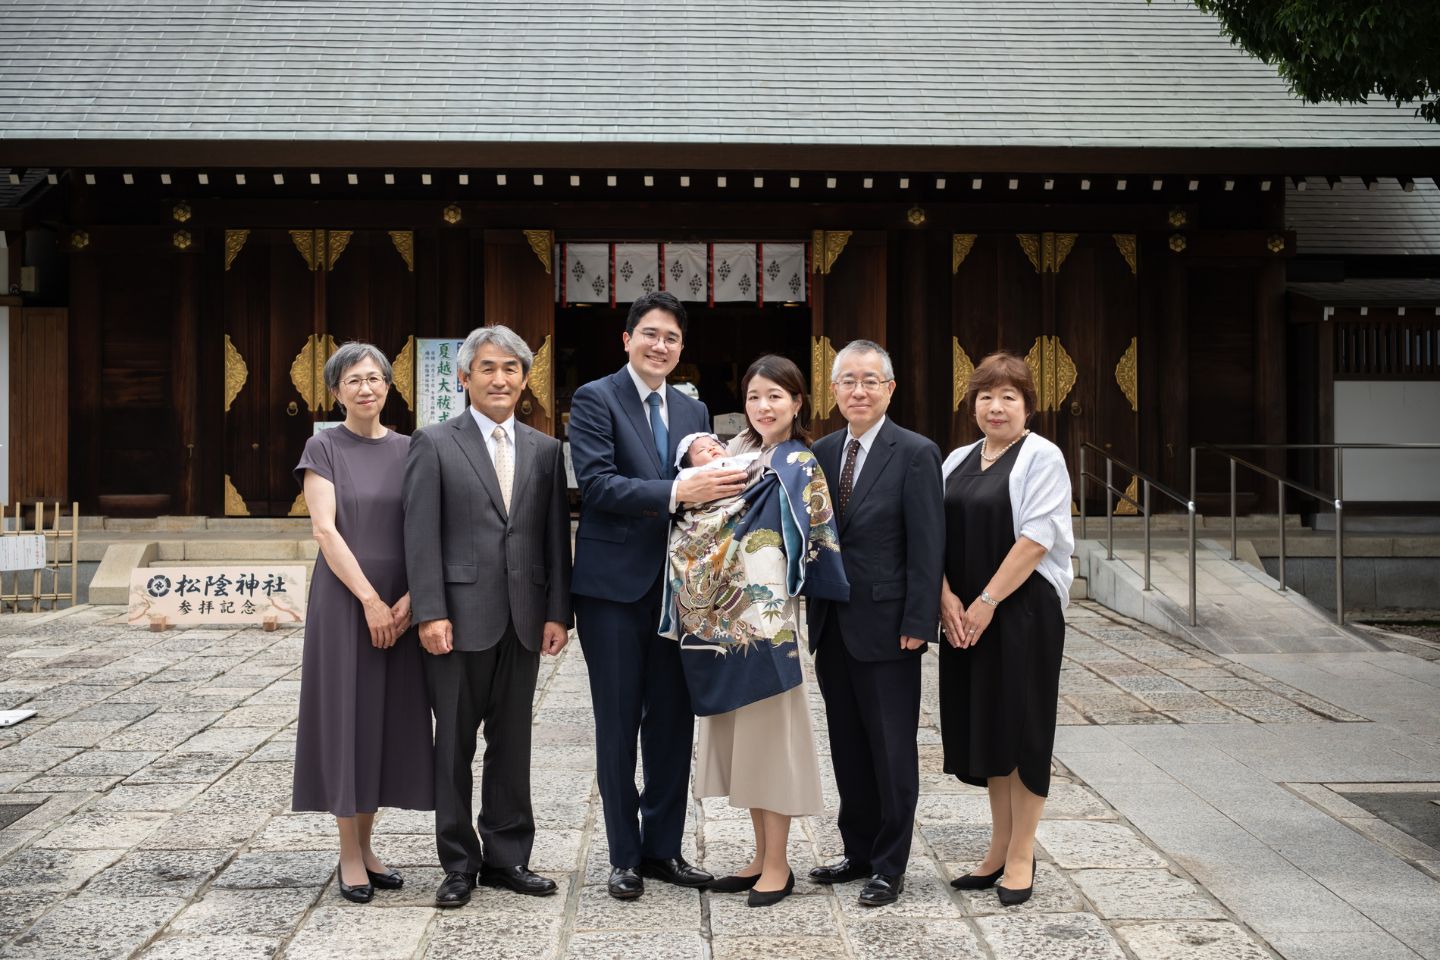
1198	812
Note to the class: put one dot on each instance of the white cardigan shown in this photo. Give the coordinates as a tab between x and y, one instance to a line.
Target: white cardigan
1040	501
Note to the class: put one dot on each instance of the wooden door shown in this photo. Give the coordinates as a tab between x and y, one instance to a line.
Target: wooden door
848	298
520	293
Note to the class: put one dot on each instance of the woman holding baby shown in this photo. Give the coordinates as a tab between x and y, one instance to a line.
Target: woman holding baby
737	568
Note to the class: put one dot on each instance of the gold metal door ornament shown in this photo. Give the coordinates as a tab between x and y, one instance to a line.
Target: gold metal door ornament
825	248
1127	374
822	361
404	241
1125	243
1124	508
307	373
299	508
234	243
234	503
236	372
1053	370
542	242
963	370
960	246
541	385
402	373
321	248
1046	251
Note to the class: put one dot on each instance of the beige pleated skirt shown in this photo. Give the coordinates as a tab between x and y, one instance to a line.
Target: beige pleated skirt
762	756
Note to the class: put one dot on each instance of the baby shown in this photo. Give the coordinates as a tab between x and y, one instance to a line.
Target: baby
704	451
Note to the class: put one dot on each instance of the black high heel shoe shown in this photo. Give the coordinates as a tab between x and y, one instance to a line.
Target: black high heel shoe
768	898
732	884
389	880
978	881
1013	898
360	893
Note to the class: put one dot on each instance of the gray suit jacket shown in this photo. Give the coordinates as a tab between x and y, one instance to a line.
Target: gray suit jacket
468	559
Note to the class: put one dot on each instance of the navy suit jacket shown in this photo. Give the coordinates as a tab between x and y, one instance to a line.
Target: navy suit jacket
892	542
624	487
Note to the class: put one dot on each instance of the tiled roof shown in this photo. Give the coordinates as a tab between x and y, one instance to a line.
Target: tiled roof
1371	293
1351	219
1054	73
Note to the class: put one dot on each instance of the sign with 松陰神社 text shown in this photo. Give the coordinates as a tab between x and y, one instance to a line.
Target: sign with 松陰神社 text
224	594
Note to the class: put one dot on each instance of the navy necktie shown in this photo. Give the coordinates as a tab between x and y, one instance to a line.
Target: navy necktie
657	427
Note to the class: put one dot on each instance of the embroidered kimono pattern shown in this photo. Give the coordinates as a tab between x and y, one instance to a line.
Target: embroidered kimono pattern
735	567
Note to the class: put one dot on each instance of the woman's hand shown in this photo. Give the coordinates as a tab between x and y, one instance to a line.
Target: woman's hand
380	621
952	617
400	613
977	618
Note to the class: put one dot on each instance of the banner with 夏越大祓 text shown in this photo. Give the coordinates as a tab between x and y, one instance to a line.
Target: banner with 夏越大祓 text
199	593
439	393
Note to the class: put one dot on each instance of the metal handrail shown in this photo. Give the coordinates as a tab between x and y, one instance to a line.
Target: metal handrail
1336	501
1142	505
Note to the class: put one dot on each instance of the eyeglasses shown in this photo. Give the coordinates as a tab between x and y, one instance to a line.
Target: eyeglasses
869	384
354	383
654	336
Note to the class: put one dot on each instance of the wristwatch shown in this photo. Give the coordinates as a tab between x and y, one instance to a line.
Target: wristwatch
986	598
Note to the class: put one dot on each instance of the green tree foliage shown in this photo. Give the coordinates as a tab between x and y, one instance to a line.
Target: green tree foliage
1343	50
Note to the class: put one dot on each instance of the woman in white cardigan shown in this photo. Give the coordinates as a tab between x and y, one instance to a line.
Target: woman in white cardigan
1008	542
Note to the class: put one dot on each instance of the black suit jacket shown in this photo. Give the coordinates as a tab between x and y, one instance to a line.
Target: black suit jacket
892	542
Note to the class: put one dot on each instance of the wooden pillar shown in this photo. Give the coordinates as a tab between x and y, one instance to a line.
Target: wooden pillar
1174	362
1270	377
86	340
185	377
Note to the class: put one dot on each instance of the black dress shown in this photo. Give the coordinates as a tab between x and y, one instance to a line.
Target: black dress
997	698
364	733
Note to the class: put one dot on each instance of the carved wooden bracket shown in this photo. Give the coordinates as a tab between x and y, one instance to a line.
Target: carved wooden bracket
825	248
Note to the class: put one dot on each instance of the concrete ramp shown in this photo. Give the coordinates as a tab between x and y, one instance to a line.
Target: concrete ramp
1239	608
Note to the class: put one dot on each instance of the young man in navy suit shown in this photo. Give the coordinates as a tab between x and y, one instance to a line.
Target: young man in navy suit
623	432
890	513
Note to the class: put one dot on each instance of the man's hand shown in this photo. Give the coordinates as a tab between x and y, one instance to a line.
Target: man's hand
553	639
710	485
437	637
911	643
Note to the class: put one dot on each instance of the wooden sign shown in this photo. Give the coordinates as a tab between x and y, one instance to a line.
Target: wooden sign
23	552
240	594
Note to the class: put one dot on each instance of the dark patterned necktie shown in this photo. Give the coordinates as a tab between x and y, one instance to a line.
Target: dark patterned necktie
847	473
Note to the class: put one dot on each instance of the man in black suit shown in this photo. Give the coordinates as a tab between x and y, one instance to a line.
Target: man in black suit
890	513
487	554
623	432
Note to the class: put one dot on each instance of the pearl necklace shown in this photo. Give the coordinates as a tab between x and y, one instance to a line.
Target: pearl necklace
997	456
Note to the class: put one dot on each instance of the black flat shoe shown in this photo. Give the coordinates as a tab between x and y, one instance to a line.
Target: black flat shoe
978	881
768	898
732	884
675	870
389	880
882	889
360	893
455	889
842	872
625	883
1013	898
519	879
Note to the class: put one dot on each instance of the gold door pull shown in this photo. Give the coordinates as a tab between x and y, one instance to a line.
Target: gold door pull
254	446
292	408
1075	408
189	451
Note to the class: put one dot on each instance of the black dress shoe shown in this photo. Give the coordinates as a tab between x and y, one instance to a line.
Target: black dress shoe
360	893
625	883
676	871
842	872
1013	898
732	884
768	898
455	889
978	881
518	879
882	889
389	880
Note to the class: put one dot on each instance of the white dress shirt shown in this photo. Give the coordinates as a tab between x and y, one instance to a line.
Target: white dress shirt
487	430
643	388
867	440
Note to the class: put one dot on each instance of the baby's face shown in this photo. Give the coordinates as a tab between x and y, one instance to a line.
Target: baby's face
705	449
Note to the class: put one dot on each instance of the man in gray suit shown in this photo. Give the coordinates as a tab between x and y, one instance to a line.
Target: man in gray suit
487	554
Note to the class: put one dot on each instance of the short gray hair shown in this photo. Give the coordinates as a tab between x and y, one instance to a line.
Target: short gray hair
350	354
862	346
504	338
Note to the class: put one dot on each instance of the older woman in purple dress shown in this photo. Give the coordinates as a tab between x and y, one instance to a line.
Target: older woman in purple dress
364	734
